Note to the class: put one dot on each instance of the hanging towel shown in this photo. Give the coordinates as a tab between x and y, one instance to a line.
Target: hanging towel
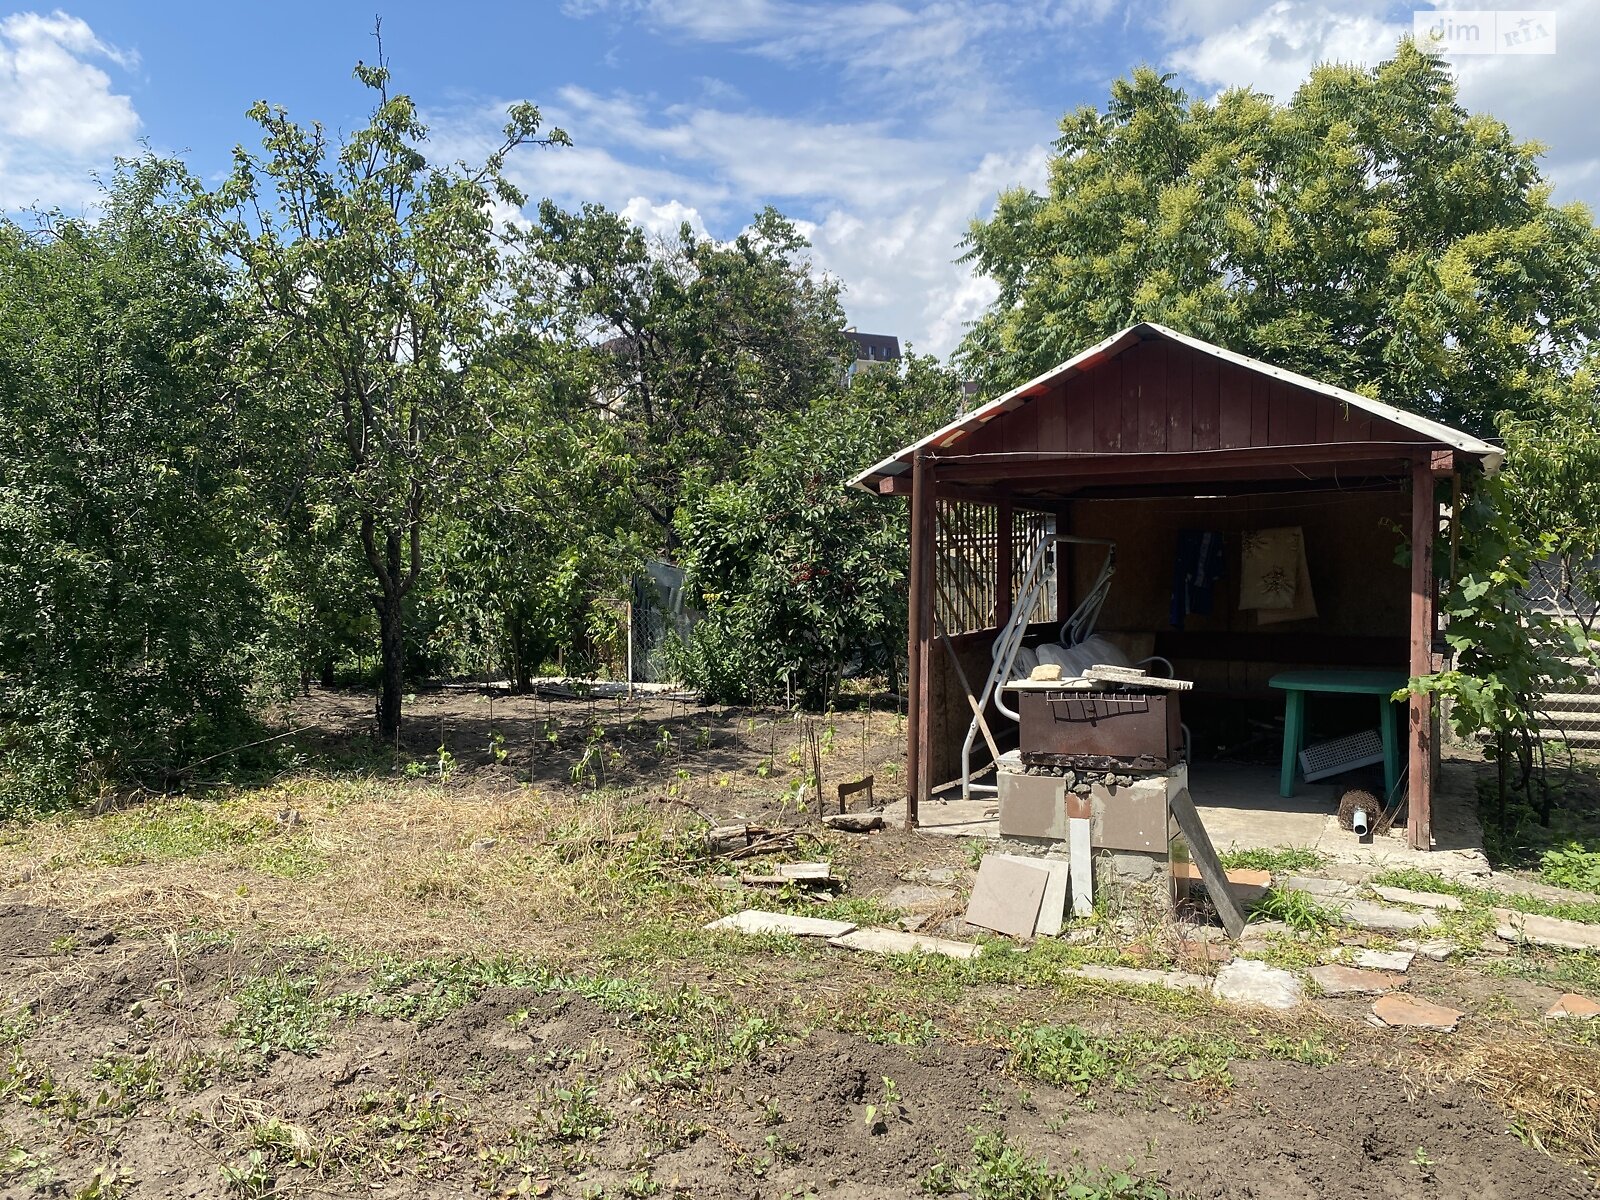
1195	572
1269	568
1305	604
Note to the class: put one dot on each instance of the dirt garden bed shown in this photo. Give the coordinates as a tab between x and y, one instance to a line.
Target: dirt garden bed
369	977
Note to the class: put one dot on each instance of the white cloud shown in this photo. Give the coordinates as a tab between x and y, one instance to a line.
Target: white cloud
59	117
885	210
1273	47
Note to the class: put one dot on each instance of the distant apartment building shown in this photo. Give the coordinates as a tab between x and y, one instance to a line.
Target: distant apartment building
871	349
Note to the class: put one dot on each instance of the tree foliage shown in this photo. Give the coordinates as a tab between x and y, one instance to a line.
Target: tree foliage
1370	232
130	626
799	576
374	274
692	342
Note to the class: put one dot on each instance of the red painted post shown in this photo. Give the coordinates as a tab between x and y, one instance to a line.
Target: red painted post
1003	564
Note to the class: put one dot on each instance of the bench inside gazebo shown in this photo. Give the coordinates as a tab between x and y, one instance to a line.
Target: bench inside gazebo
1270	534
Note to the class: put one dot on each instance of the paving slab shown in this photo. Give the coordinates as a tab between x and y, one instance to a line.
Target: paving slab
1438	949
1382	919
894	941
754	920
1573	1007
1546	931
1316	885
1407	1012
1385	960
1421	899
918	895
1053	904
1007	895
1337	980
1143	977
1250	981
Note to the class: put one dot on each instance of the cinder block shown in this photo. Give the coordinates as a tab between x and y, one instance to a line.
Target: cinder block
1033	806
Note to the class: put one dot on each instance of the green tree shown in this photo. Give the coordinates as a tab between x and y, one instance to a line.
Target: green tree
129	605
800	577
374	277
692	342
1370	231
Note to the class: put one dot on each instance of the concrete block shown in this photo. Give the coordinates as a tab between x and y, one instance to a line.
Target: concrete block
1143	977
1573	1007
1053	905
1335	980
754	920
1033	806
1249	981
1421	899
894	941
1554	932
1381	918
1408	1012
1385	960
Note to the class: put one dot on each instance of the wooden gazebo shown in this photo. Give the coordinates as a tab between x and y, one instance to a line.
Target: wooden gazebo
1135	437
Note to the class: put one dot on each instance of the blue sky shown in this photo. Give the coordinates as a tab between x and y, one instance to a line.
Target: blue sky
883	127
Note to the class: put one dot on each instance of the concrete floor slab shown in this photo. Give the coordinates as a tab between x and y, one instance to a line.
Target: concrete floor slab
1241	809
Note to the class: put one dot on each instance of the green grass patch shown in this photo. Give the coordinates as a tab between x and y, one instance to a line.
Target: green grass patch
281	1013
1299	910
1484	898
1067	1056
168	831
1574	865
1280	860
1001	1170
1569	970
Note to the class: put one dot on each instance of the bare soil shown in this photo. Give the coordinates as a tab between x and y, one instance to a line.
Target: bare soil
552	1087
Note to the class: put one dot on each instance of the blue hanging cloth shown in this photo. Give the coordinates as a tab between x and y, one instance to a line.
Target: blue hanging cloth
1195	572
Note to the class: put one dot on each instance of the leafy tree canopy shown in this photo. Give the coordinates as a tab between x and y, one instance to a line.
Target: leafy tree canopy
799	576
692	342
1370	231
129	606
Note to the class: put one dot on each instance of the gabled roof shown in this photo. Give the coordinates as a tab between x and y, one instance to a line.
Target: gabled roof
968	423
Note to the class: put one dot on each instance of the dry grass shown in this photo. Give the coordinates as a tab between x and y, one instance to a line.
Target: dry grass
390	865
1550	1091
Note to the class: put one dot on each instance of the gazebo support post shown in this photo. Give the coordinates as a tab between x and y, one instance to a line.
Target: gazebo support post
918	611
1424	527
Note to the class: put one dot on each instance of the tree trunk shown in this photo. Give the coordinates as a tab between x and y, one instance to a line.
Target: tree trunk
391	625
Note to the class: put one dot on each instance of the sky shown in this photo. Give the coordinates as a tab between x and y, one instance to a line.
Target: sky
882	128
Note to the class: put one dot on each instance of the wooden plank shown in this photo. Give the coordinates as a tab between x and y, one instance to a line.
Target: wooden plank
1324	408
1233	403
1207	427
1204	856
1080	401
1424	526
1133	388
1152	435
1300	409
1108	408
1179	377
1260	411
1280	415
